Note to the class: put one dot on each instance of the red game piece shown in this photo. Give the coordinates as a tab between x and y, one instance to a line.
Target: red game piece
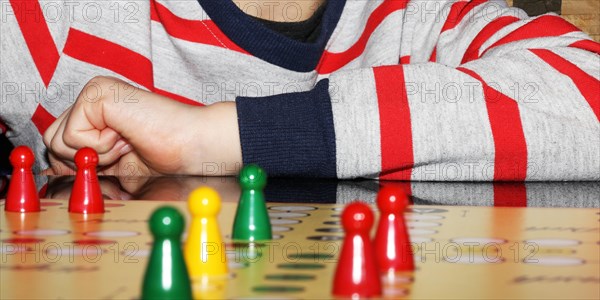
392	243
356	274
22	193
86	196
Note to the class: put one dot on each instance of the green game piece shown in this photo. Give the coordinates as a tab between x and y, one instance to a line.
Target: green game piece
166	275
252	221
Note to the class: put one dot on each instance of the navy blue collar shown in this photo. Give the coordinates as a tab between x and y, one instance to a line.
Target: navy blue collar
267	44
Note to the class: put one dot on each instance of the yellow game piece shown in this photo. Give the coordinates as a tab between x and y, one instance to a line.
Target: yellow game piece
204	249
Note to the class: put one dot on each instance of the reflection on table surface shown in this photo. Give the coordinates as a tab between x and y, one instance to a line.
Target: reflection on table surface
531	194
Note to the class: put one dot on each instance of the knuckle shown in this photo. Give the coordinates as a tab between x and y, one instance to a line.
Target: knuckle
96	89
47	139
107	159
55	146
101	147
70	138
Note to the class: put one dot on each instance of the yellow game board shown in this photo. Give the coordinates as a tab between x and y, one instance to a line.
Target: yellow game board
460	252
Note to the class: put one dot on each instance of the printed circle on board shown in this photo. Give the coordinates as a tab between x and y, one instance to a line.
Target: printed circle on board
94	242
425	210
330	229
315	256
22	240
332	223
418	217
554	261
89	251
478	240
473	259
280	228
422	224
284	221
290	277
325	238
292	208
300	266
244	245
14	249
553	242
135	252
112	233
420	239
42	232
419	231
277	289
288	215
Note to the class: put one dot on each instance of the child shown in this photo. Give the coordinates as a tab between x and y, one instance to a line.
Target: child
421	90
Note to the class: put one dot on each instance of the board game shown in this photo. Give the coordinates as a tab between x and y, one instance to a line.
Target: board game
460	252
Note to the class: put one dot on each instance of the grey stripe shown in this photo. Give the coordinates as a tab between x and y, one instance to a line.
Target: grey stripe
452	138
561	132
356	123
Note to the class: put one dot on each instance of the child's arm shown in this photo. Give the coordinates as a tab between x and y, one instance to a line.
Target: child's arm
505	97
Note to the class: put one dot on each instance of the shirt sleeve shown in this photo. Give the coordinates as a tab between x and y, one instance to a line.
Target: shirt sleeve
482	92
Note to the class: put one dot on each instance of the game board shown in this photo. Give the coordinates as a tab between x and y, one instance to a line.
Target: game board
460	252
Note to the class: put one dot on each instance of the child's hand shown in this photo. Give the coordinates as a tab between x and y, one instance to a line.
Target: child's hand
136	132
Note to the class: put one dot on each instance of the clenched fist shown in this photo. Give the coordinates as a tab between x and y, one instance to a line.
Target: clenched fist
136	132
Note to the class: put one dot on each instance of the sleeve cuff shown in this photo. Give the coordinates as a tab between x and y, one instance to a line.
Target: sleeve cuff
289	134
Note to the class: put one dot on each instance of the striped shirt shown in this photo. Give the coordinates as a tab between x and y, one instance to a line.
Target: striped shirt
439	90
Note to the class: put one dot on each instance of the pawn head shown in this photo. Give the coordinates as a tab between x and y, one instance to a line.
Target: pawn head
253	177
357	216
22	157
204	202
86	158
392	199
166	222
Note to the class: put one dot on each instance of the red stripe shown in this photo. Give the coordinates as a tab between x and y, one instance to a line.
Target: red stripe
177	97
433	54
510	162
588	45
588	86
331	62
397	158
458	11
102	53
484	35
204	32
544	26
43	191
37	37
42	119
405	60
513	194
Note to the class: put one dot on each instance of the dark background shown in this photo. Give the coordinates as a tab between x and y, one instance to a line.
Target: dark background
5	148
538	7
